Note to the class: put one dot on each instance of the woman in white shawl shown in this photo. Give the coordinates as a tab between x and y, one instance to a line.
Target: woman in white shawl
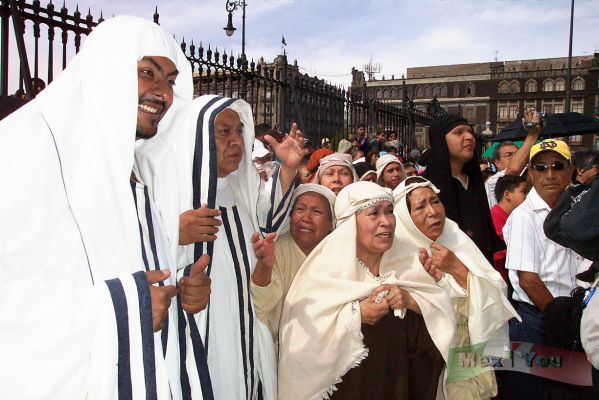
476	289
338	335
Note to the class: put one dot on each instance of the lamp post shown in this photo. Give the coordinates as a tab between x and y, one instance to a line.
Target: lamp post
231	6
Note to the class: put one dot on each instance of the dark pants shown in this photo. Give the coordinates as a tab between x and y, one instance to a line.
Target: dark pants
520	385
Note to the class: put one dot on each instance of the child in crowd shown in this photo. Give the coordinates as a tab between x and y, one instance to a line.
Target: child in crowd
510	192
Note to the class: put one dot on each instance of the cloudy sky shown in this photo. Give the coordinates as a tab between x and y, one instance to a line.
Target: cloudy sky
329	37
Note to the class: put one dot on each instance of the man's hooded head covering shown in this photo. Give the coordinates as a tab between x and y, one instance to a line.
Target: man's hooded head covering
67	209
317	324
468	208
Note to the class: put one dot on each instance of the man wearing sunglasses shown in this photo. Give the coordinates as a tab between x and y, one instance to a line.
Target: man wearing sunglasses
539	269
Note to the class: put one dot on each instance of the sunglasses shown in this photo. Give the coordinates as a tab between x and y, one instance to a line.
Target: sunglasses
556	166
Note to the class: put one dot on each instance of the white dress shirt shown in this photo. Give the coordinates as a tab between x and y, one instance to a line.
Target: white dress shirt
528	249
490	187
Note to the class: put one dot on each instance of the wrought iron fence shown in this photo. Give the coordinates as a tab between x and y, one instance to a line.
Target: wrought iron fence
278	93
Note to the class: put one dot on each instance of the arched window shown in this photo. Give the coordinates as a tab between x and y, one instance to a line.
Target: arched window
548	85
443	91
514	87
578	83
456	90
531	86
435	90
560	85
400	93
386	93
504	87
419	91
393	93
427	91
379	94
470	89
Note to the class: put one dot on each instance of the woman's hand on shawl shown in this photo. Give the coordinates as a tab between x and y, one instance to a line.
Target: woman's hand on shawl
397	298
160	296
199	225
194	289
264	249
371	312
445	260
427	262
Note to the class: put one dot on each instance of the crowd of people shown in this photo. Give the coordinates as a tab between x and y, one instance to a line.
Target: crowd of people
169	248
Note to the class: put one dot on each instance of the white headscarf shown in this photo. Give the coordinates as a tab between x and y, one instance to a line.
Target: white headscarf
323	191
382	163
67	212
320	335
332	160
489	309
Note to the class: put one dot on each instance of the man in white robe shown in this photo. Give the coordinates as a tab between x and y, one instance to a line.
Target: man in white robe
77	314
222	202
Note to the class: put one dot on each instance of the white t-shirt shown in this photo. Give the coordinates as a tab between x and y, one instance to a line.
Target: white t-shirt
490	187
528	249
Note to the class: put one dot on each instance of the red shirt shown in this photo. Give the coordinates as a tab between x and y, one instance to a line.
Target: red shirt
499	217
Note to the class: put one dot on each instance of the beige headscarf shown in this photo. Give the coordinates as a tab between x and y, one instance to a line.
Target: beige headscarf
320	330
335	159
382	163
489	309
321	190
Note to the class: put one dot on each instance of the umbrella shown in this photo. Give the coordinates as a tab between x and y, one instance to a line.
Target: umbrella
554	125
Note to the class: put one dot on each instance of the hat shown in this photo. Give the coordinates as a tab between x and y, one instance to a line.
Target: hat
385	160
555	145
336	159
259	150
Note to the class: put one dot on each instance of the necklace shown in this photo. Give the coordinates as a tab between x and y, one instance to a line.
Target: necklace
368	273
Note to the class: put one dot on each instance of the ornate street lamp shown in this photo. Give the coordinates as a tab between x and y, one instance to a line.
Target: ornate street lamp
231	6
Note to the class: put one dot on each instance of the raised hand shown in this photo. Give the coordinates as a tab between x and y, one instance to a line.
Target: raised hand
194	290
531	121
161	296
264	249
291	151
199	225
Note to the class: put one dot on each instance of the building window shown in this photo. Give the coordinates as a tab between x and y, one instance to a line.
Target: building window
268	94
385	94
456	90
427	91
379	94
443	91
504	87
577	106
560	85
419	92
558	108
400	94
578	83
553	106
531	86
548	85
575	140
513	111
393	93
470	89
503	112
435	90
514	87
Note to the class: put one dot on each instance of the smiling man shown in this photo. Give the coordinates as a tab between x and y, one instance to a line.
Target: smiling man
89	316
453	168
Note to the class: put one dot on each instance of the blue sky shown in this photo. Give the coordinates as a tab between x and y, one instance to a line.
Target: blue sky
329	37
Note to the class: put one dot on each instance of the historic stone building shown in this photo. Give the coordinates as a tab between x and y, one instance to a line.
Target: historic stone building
495	92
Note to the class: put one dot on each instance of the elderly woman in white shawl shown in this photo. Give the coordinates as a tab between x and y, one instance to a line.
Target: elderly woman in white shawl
476	289
351	325
312	218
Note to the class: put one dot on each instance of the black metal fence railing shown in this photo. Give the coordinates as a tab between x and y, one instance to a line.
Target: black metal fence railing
278	93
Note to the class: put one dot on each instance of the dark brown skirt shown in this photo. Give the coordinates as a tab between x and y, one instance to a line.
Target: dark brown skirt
403	363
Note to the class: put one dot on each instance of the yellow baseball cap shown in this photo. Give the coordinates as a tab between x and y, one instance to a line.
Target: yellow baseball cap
558	146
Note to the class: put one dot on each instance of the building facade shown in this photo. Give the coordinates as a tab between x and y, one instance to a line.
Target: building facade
496	92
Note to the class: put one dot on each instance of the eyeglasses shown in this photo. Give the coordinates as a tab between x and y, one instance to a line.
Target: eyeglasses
556	166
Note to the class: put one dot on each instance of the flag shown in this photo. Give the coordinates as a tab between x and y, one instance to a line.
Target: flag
283	42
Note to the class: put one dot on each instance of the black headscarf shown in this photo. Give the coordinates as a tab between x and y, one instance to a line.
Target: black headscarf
468	208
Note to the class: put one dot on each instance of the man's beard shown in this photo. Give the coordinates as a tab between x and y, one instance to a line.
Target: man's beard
145	131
